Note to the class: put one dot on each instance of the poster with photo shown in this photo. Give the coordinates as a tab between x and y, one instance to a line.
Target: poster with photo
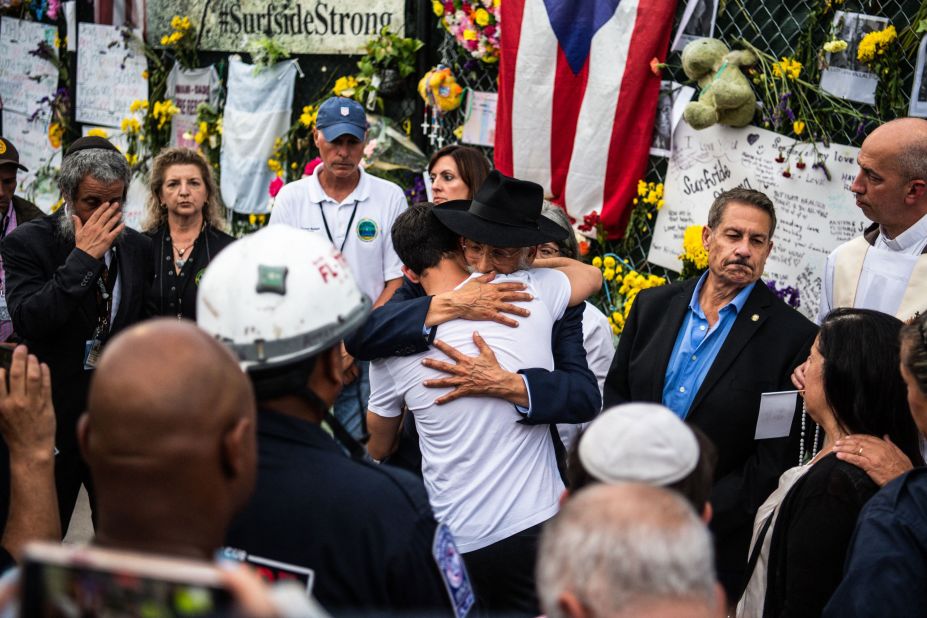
845	76
697	22
918	105
672	102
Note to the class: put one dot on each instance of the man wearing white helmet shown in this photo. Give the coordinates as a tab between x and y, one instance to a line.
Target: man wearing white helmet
282	299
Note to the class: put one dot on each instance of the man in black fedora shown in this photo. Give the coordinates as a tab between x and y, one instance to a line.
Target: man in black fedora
490	477
74	279
499	232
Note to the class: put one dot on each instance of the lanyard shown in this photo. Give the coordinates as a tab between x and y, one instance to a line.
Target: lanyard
106	284
346	233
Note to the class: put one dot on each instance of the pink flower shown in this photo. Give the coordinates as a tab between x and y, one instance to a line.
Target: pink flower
275	185
310	167
489	30
53	6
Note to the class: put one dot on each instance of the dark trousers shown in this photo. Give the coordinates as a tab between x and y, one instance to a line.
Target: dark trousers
70	473
502	574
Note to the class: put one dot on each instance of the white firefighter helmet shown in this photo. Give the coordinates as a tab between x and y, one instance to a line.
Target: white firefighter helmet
278	296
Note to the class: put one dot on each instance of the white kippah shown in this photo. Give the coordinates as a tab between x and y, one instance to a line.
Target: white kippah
638	442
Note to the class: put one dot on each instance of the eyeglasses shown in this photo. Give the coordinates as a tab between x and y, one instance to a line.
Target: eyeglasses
548	251
475	250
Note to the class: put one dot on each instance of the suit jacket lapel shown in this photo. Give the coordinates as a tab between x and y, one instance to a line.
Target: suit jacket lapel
675	314
750	318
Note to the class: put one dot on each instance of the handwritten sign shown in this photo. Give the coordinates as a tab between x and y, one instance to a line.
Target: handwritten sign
31	139
815	214
25	79
188	89
109	75
300	26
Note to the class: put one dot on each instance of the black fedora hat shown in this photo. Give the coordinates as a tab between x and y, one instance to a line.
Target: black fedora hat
505	212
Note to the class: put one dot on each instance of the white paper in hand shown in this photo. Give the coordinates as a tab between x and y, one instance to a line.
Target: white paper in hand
776	412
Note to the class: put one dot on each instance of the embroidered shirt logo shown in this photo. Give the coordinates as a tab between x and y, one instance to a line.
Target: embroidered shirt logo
345	111
367	230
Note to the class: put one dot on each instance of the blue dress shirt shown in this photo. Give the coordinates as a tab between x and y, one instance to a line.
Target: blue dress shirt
697	345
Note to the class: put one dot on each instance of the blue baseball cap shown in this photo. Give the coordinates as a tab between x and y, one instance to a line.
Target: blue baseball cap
339	116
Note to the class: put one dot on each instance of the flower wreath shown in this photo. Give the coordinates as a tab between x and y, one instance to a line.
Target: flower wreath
474	23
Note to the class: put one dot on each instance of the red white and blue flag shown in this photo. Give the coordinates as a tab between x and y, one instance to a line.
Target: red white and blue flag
577	98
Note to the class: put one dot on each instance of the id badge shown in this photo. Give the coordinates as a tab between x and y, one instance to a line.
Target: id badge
92	350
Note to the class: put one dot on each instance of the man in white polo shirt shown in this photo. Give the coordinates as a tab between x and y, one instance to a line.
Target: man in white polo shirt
355	211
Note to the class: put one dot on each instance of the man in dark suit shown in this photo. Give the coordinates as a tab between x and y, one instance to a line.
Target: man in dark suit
707	349
74	279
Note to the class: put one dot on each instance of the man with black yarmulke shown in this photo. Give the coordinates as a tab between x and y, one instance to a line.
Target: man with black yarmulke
73	280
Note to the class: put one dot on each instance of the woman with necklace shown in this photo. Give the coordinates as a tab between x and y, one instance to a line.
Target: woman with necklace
184	224
802	532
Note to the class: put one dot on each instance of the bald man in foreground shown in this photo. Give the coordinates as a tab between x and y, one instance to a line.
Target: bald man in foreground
169	436
628	550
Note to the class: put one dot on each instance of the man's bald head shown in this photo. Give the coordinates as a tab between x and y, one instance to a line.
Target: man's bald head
627	549
891	186
906	141
169	413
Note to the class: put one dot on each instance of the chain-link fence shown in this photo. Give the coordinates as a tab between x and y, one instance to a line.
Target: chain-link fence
796	28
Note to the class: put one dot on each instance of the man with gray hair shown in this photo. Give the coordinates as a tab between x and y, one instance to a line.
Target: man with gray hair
627	550
73	280
707	349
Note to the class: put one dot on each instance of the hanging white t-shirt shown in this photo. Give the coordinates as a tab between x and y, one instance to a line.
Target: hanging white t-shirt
886	271
369	212
487	475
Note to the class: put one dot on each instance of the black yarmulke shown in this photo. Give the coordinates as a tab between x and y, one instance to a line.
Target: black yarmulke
90	141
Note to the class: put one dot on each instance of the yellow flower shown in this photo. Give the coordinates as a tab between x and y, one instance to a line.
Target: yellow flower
219	126
345	85
798	127
609	262
609	274
55	133
165	40
787	67
437	7
98	133
137	105
252	219
641	188
470	35
176	22
481	17
875	44
145	74
307	118
660	204
130	125
274	165
597	262
131	158
836	46
693	248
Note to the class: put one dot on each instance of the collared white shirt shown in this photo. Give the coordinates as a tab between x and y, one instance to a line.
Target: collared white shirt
365	241
886	271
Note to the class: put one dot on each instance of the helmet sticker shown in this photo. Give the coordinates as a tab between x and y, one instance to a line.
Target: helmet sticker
367	230
272	279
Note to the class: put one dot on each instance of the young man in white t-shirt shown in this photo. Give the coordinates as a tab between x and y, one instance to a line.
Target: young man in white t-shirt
355	211
490	478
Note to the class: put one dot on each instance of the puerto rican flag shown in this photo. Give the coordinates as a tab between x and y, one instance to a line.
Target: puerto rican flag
577	98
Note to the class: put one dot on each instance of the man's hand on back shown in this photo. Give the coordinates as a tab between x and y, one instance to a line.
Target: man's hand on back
479	300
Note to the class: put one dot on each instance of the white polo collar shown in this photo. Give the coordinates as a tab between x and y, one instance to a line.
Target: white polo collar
317	193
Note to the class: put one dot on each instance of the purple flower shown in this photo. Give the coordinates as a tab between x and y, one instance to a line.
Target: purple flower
786	293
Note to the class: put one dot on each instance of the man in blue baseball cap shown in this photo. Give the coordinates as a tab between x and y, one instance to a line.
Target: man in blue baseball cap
355	211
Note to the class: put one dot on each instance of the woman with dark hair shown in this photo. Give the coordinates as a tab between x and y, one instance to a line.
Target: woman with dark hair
182	219
802	532
456	173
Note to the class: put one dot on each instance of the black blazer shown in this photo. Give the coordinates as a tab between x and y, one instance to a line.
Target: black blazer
758	356
51	293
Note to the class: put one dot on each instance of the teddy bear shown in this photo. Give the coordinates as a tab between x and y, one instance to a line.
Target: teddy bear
727	96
